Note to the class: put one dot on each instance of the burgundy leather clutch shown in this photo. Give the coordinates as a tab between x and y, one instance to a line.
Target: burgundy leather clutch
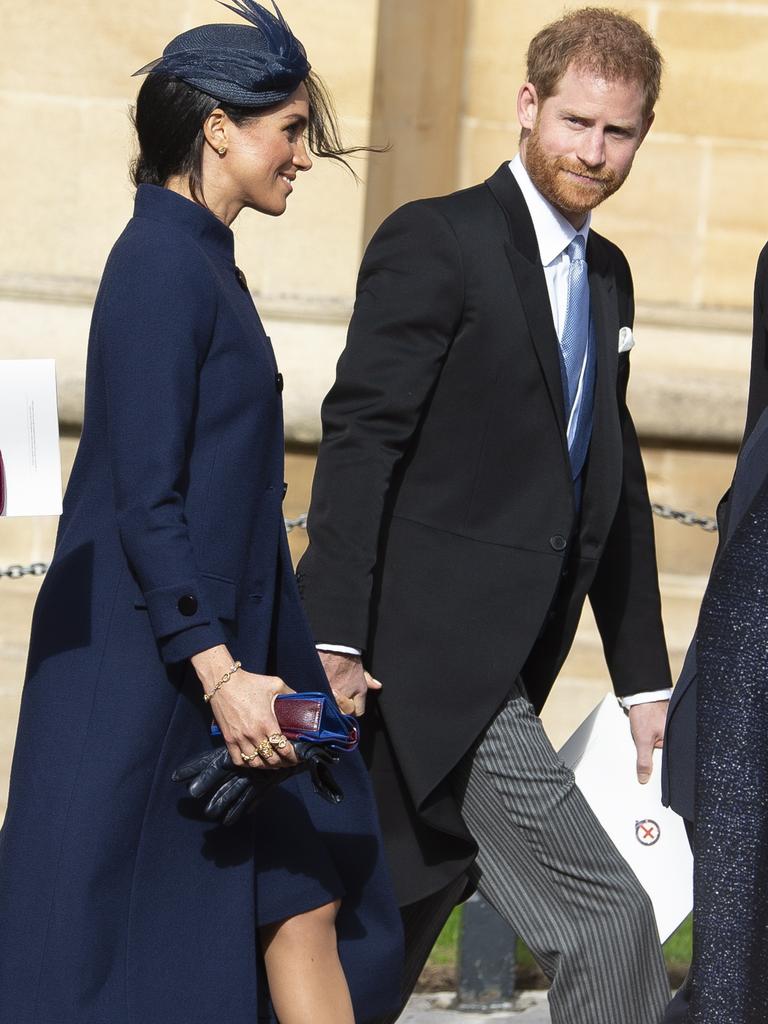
298	715
315	718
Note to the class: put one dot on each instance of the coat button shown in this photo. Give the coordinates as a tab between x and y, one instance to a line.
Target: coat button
187	605
558	543
285	489
279	383
241	279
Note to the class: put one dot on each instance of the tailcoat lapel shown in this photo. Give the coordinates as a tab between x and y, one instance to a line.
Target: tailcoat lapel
603	475
603	478
523	253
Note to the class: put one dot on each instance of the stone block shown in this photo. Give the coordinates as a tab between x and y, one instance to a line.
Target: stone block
485	146
71	192
664	263
341	43
728	271
84	49
689	382
716	70
50	330
300	344
417	103
690	480
664	188
737	193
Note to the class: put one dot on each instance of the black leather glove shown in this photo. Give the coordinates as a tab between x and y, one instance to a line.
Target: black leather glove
232	791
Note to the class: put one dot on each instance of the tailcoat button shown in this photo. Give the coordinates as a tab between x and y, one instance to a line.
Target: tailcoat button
187	605
279	384
558	543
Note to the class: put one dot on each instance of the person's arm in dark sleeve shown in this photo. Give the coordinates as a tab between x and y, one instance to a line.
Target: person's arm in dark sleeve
154	323
758	377
625	594
407	311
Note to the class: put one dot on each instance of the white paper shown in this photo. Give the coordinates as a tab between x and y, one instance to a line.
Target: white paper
650	837
29	437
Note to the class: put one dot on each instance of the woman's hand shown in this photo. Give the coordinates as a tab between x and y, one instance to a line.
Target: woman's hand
243	709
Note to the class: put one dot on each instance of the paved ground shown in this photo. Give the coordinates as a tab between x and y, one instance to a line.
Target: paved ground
435	1009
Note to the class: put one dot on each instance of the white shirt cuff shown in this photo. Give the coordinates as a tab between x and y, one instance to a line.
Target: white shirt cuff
644	698
339	649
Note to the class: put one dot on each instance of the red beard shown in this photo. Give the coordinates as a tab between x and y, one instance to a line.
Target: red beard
566	193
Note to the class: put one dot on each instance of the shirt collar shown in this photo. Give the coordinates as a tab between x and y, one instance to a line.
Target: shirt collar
553	232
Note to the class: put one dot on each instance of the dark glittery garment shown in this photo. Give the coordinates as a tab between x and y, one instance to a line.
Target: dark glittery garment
730	964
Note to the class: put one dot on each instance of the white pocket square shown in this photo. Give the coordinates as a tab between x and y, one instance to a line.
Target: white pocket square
626	339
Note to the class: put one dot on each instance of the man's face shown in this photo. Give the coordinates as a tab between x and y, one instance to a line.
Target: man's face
580	142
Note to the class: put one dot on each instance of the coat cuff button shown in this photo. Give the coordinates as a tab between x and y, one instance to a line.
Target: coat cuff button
558	543
187	605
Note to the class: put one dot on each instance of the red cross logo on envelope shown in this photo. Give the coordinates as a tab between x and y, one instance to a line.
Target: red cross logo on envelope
647	832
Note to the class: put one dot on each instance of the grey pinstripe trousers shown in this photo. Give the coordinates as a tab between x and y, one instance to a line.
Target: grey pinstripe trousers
550	870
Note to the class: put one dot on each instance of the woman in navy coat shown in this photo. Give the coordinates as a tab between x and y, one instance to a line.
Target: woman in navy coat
119	904
715	752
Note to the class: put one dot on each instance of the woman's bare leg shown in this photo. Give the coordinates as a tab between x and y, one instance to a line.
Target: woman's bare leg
306	979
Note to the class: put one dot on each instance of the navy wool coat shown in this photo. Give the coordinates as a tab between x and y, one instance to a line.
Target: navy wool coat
679	764
118	904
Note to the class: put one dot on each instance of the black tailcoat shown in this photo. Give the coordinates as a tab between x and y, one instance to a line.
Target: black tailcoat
444	536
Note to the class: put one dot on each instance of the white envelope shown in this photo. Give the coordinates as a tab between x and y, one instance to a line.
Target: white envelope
650	837
29	438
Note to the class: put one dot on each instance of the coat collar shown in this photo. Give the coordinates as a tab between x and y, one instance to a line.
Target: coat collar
160	204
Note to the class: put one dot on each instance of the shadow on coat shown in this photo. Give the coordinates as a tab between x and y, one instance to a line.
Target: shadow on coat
65	605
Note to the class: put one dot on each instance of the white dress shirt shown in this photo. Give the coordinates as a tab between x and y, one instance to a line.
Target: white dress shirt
553	234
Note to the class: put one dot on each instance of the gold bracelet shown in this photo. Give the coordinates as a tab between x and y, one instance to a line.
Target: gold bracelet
225	678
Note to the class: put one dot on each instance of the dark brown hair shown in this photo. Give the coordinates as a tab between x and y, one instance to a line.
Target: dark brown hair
169	117
602	41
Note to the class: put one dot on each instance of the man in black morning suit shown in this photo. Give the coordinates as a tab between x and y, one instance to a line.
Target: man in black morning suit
479	476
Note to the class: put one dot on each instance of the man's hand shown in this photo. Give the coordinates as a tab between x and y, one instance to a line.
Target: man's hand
647	722
349	681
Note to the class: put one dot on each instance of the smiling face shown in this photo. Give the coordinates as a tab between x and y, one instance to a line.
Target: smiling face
254	163
265	153
578	144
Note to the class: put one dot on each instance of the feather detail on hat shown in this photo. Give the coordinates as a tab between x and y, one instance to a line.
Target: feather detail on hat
274	27
255	65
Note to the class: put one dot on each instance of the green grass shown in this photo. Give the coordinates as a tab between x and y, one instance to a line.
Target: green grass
445	951
677	949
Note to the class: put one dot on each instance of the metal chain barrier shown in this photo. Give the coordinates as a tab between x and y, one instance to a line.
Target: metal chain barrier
300	523
16	572
706	523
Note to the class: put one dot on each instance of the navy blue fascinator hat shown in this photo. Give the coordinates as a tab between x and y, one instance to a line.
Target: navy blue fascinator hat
254	65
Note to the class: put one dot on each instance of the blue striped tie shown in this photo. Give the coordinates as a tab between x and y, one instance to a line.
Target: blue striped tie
574	345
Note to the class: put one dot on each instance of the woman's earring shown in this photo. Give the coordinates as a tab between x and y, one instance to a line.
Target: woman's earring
222	150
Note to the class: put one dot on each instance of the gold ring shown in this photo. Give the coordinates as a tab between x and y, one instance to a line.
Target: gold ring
264	749
249	757
277	740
